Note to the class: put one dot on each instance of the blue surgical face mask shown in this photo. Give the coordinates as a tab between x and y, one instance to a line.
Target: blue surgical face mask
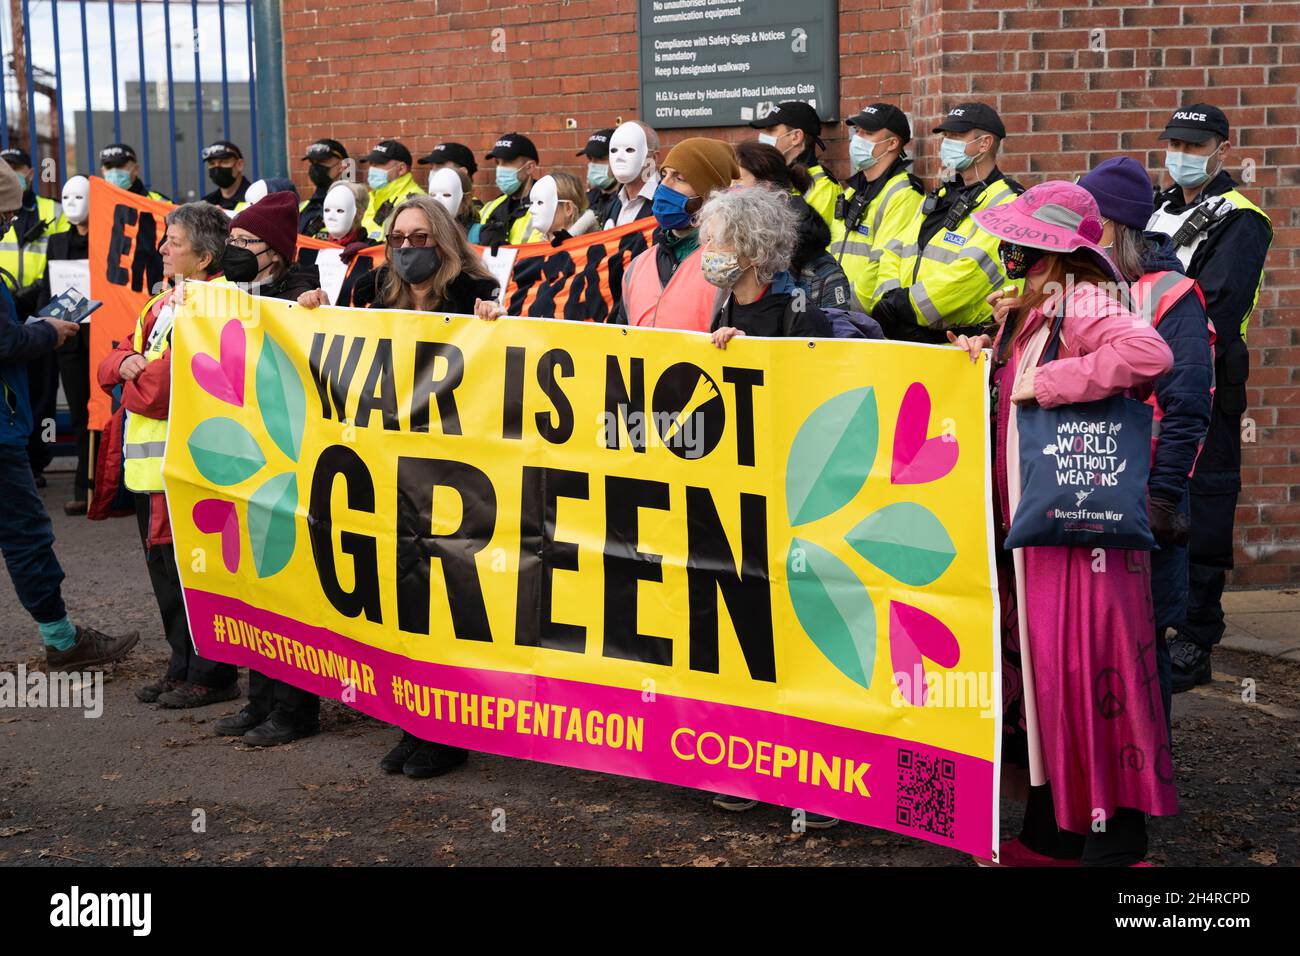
599	176
507	180
121	178
1187	169
669	208
952	154
767	139
862	152
377	178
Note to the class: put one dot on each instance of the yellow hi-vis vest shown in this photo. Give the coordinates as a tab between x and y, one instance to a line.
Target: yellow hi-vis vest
145	438
27	263
949	280
520	229
391	194
882	225
823	192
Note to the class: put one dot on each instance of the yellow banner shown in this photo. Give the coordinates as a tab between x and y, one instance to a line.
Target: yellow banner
764	570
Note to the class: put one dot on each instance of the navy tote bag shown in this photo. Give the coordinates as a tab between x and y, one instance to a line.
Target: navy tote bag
1083	472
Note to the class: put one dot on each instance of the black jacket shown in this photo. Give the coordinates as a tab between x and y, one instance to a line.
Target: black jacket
310	219
296	280
464	290
217	199
774	314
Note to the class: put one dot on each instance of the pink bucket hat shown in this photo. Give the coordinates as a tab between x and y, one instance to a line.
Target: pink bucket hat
1054	216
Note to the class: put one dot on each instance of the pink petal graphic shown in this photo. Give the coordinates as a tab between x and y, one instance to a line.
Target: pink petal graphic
913	636
213	516
917	458
223	379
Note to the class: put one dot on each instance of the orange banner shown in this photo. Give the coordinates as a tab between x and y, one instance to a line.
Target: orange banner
579	279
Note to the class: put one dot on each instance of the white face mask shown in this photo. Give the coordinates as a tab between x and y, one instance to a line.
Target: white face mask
628	153
339	211
76	200
445	188
542	201
255	192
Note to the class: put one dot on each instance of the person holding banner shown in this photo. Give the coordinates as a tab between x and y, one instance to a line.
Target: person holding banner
450	187
260	253
26	535
1083	703
430	266
664	286
812	267
73	246
141	367
225	162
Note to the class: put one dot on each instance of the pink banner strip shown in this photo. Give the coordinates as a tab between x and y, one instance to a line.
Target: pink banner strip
873	779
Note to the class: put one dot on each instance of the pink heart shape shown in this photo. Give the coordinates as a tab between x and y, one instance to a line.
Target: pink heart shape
913	636
223	379
215	515
917	458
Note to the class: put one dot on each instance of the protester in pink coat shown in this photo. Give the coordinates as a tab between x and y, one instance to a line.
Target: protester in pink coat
1081	698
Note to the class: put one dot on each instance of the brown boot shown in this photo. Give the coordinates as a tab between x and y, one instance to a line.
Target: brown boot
92	649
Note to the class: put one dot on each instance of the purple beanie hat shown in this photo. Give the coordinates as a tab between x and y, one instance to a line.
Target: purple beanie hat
1123	191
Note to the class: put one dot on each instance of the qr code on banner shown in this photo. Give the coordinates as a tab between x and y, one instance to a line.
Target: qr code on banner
927	793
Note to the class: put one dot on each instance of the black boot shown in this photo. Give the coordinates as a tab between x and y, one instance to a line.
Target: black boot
433	760
1191	664
397	757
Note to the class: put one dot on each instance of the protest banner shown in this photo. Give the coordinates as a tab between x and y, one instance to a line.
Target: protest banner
579	279
765	571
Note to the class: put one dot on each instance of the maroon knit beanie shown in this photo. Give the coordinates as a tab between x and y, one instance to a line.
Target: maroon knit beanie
274	220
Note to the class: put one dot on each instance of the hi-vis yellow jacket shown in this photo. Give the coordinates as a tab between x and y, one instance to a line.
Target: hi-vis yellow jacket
145	438
26	263
948	280
823	192
859	237
383	201
520	229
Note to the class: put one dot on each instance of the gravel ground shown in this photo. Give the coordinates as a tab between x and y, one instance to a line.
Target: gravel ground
128	788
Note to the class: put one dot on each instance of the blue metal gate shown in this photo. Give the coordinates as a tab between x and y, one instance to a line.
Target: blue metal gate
44	44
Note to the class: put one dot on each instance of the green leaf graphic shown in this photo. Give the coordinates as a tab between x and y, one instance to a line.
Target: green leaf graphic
281	398
831	455
906	541
833	608
271	525
224	452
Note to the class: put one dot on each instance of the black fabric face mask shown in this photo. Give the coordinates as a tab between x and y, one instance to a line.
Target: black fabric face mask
239	265
1017	260
222	176
319	174
414	264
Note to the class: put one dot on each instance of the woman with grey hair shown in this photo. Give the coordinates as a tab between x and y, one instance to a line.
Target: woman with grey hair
141	367
747	240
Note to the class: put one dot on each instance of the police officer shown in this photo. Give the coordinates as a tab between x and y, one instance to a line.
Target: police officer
225	162
602	185
881	197
328	161
504	220
119	166
794	128
456	156
390	181
23	255
1221	238
945	266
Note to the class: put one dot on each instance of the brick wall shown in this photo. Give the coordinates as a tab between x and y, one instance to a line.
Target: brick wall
1074	85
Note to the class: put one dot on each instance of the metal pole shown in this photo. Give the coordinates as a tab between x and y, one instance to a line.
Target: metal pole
225	86
62	153
198	88
89	164
112	42
171	101
4	100
269	91
252	92
31	87
144	100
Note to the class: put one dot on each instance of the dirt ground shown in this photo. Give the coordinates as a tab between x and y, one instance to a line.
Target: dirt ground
127	788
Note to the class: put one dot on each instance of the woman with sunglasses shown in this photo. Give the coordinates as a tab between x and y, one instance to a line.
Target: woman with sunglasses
430	265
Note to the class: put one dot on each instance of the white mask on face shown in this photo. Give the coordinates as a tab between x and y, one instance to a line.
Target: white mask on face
339	211
445	187
76	200
542	201
255	192
628	152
